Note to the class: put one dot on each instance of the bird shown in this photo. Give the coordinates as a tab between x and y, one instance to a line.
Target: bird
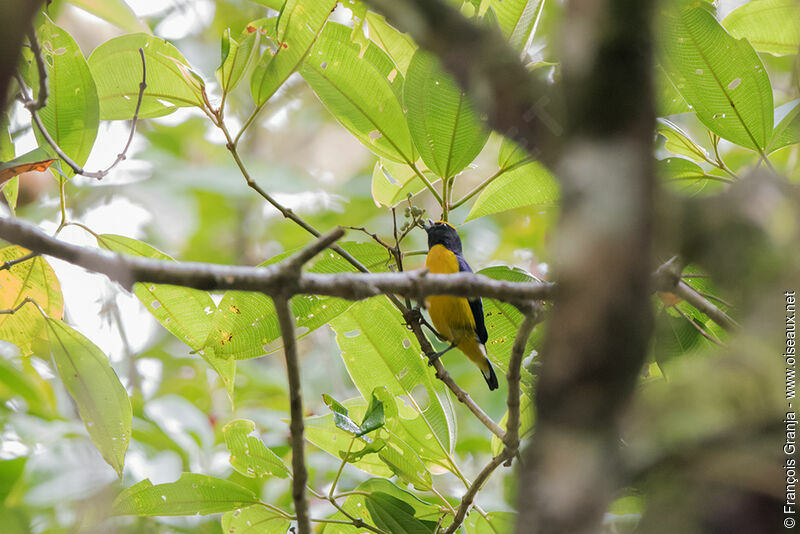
457	319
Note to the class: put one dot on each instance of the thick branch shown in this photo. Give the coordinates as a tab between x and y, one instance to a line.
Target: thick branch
300	475
128	270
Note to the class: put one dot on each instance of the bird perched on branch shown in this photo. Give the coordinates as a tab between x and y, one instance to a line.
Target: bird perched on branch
458	320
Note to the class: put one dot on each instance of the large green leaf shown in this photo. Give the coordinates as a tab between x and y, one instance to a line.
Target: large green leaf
236	57
500	522
444	123
185	313
254	520
517	19
519	182
678	142
687	177
101	399
667	99
771	26
394	515
361	88
117	69
72	114
378	349
503	320
400	46
722	78
189	495
249	455
245	324
116	12
33	279
392	182
787	129
296	30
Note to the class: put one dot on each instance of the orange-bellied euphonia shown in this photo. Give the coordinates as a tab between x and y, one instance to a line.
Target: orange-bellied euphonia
459	320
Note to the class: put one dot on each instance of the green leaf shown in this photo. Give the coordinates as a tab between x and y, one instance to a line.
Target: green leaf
185	313
254	520
245	325
101	399
117	69
41	153
72	115
519	182
249	455
686	176
503	320
116	12
668	100
236	57
517	19
355	505
395	516
493	522
722	78
323	432
33	279
393	182
400	46
189	495
443	121
771	26
374	418
787	129
361	88
378	349
277	5
340	417
296	30
10	473
7	152
678	142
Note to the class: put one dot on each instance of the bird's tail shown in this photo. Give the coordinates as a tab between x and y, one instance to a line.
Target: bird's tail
488	374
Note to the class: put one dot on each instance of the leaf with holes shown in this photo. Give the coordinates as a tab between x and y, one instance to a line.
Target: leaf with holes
101	399
722	78
245	324
249	455
33	279
378	349
771	26
72	114
189	495
362	89
117	69
517	19
185	313
254	520
296	29
444	123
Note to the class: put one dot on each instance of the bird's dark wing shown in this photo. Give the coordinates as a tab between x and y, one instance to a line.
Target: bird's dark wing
475	304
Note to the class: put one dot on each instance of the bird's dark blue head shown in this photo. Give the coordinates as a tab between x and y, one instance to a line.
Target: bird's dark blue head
442	233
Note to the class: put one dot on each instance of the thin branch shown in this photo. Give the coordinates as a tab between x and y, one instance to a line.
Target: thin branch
296	426
697	327
31	105
16	308
294	263
10	263
428	184
41	68
374	236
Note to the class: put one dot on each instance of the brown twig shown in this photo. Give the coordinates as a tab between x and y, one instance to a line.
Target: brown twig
10	263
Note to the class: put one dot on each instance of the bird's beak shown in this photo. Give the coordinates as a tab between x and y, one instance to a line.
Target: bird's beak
427	225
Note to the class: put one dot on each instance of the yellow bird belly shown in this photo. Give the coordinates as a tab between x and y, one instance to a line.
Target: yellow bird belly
452	316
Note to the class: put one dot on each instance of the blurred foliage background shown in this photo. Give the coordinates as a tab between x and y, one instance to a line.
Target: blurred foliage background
707	412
